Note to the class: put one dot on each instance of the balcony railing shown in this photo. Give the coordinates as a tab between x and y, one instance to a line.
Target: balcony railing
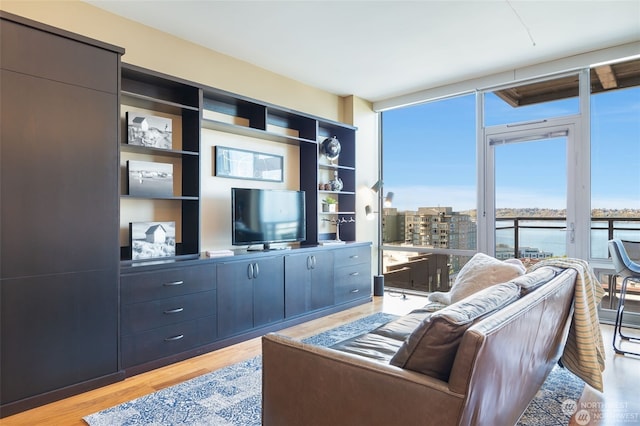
548	234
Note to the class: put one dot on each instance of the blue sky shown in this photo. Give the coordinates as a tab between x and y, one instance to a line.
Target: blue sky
429	154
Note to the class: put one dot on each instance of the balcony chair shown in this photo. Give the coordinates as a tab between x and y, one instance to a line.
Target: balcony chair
627	269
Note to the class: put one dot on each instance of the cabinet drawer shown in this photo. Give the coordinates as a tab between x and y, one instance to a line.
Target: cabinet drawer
352	256
352	282
165	341
143	316
146	286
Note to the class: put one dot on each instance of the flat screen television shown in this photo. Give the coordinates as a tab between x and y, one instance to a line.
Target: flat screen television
266	216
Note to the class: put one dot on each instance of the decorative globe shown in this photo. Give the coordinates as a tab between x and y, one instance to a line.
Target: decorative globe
331	148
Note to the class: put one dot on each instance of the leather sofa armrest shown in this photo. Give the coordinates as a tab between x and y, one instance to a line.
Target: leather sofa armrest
309	385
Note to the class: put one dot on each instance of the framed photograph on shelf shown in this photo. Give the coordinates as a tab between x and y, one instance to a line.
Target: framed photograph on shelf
149	131
150	179
151	240
242	164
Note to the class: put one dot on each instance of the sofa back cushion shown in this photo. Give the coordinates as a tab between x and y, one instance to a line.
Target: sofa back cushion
431	348
534	279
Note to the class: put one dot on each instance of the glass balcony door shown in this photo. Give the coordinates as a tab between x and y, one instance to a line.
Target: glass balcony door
530	193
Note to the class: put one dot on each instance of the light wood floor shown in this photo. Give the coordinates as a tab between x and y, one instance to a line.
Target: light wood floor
622	376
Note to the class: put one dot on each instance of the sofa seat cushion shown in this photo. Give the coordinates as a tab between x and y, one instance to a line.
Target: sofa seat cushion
480	272
370	345
431	348
383	342
401	328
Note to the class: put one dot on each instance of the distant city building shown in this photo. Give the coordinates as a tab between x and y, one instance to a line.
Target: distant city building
433	227
507	252
436	227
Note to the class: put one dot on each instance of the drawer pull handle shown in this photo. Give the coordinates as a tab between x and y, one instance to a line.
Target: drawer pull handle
353	274
174	338
355	290
355	256
173	311
171	284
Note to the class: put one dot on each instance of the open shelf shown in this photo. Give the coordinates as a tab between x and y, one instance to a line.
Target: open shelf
198	107
124	147
148	92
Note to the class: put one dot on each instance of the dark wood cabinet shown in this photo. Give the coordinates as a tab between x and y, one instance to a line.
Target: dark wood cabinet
167	311
59	204
181	309
308	282
57	331
250	294
352	273
58	213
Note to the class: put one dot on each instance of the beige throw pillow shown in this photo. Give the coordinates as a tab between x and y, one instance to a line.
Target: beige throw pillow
481	271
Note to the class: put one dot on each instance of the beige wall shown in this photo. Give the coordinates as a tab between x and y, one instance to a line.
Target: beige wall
162	52
149	48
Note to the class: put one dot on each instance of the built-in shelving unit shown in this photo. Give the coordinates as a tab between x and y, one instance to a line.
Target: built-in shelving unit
101	315
235	114
147	92
216	302
344	168
194	107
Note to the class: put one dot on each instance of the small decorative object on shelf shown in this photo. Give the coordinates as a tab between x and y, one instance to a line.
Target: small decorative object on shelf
329	205
149	131
150	179
336	182
150	240
337	223
331	148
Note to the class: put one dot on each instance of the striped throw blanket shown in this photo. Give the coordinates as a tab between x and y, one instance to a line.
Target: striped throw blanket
583	353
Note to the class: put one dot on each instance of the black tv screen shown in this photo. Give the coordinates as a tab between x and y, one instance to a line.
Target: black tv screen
265	216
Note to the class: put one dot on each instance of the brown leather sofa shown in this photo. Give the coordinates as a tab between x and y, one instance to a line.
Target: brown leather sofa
477	362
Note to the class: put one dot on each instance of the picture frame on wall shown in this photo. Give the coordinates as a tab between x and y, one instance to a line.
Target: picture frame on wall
149	130
149	179
152	240
243	164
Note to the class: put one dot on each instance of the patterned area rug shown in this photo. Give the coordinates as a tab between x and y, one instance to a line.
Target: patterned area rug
556	401
232	396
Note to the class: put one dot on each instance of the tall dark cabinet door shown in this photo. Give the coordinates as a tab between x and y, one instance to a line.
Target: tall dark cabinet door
59	183
59	249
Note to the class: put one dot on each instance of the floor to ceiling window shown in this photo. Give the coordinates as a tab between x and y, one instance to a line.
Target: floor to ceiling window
548	197
530	134
615	168
615	183
429	164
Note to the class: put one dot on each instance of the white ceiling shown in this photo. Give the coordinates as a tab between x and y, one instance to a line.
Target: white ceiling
381	49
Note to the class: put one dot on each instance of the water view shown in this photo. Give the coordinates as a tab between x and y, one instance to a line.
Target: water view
554	240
